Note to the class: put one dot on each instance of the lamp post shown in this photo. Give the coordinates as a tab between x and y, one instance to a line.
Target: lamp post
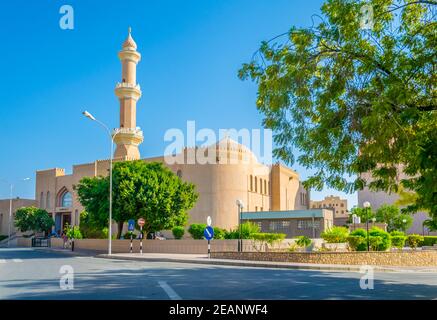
404	221
11	188
111	135
240	205
366	205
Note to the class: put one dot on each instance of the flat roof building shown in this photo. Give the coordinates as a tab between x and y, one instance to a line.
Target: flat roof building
293	223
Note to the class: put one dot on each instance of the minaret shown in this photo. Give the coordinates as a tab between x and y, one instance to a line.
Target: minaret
128	136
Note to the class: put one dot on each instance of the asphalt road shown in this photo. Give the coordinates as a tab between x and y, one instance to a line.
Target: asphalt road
35	274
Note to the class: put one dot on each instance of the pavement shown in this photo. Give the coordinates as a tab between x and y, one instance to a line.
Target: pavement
27	273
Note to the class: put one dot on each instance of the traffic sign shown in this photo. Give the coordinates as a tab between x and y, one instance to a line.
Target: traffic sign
209	221
208	233
141	222
131	225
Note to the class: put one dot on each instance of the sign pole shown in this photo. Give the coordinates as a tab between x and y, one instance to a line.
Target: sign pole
209	249
131	242
141	242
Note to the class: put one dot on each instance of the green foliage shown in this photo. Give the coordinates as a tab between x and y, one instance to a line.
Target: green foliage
431	224
414	240
363	213
91	230
391	215
260	240
382	241
398	241
219	233
33	219
396	233
357	242
127	235
353	101
247	229
429	240
178	232
196	230
147	190
335	235
359	232
73	232
303	241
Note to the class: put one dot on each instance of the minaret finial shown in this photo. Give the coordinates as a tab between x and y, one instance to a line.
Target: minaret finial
130	30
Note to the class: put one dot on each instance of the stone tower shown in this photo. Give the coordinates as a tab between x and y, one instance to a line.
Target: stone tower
128	136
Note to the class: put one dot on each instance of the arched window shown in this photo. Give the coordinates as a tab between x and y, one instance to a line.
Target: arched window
41	200
251	183
256	184
66	200
261	186
48	200
265	187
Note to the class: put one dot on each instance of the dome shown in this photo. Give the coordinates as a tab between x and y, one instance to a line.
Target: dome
129	43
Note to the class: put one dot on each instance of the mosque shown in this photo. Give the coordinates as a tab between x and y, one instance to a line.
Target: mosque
262	188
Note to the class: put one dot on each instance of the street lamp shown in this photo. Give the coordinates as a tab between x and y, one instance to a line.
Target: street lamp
404	221
11	187
112	136
366	205
240	205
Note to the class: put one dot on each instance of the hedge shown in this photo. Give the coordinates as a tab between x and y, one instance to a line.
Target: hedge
429	240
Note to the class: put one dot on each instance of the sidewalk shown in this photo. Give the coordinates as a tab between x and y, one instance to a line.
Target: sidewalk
203	259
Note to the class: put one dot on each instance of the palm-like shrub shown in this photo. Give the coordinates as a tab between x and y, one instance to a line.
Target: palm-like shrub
303	241
414	240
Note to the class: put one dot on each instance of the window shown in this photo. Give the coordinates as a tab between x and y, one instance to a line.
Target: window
256	184
48	200
41	200
261	186
279	225
66	200
251	183
342	205
265	187
308	224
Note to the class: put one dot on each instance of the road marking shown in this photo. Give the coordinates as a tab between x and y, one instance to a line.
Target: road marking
170	292
17	260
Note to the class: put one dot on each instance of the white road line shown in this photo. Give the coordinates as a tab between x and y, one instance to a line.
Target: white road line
170	292
17	260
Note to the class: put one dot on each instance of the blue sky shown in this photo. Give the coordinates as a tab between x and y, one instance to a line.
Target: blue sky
191	52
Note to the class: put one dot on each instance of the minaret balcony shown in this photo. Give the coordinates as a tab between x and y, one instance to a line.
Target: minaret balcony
128	90
133	136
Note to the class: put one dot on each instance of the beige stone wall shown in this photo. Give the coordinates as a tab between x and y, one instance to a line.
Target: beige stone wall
4	213
405	258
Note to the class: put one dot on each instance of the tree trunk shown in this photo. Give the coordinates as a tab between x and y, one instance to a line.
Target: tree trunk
120	229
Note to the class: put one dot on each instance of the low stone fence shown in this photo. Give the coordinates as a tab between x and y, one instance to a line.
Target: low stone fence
420	258
188	246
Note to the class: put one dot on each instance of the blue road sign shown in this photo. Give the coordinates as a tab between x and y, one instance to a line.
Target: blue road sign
131	225
208	233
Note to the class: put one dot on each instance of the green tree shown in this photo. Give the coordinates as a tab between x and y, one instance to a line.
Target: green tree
363	213
147	190
354	100
391	215
33	219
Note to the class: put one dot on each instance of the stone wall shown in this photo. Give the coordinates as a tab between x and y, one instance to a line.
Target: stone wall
404	258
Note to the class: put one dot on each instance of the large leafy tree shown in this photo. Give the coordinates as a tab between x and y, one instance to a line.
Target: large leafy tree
33	219
356	98
147	190
391	215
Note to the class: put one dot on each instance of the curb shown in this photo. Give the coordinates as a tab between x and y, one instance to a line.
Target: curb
239	263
